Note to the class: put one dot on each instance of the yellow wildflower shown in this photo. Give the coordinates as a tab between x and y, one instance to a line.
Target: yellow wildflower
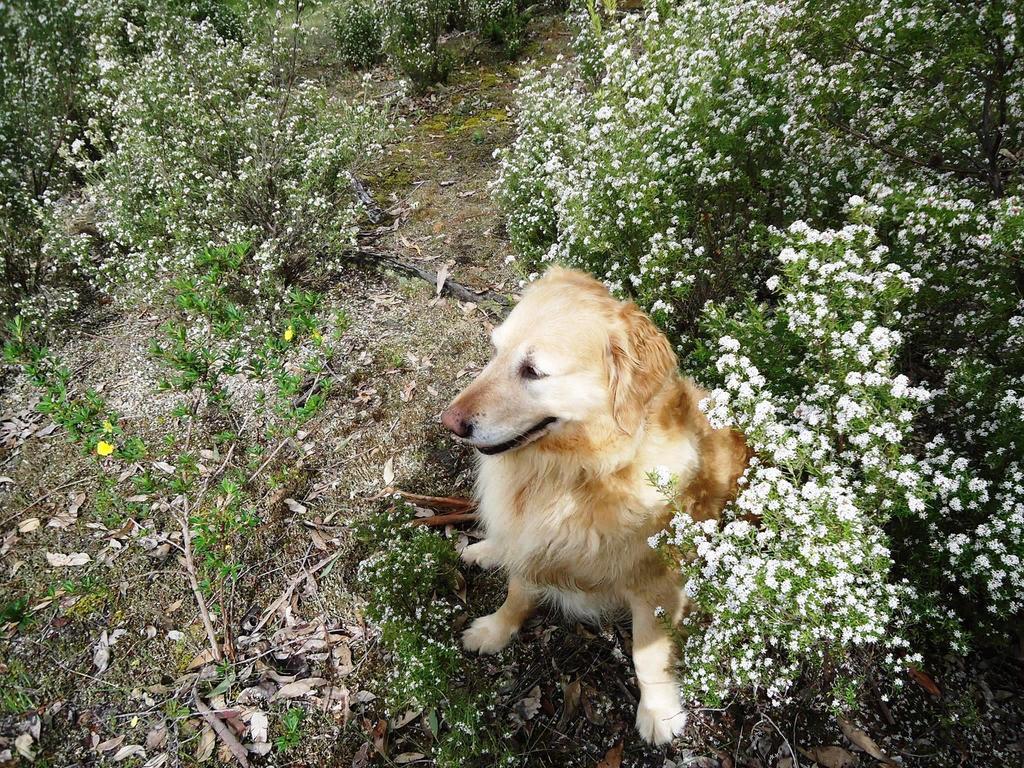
103	448
317	336
108	427
289	333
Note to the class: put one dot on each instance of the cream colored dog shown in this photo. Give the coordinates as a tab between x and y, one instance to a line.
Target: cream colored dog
581	402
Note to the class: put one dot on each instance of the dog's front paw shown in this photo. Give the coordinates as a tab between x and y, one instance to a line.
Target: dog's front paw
482	553
660	716
488	634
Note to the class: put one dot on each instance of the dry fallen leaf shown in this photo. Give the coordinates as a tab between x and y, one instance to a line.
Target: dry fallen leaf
407	391
67	517
24	746
77	500
362	756
925	681
297	507
830	757
207	741
101	655
157	737
408	757
405	719
131	750
612	758
298	688
862	741
389	471
442	276
259	726
527	707
75	559
28	525
202	659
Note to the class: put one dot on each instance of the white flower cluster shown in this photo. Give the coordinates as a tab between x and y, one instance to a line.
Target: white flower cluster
210	147
357	32
800	573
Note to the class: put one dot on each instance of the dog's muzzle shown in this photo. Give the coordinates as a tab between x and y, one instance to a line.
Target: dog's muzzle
515	442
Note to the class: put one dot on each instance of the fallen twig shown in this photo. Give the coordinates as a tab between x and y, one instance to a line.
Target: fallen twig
193	580
454	517
373	211
223	732
269	459
286	595
446	503
44	497
452	288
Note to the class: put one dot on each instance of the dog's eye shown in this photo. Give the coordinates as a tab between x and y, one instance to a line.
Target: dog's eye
527	371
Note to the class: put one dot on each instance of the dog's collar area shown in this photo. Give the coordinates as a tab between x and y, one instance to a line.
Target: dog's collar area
493	450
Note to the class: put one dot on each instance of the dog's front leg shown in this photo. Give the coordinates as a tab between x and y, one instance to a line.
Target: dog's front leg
483	553
660	714
491	633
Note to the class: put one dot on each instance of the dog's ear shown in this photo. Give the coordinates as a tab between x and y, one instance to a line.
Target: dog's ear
640	359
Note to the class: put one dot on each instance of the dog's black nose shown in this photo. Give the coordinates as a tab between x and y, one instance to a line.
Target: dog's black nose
455	420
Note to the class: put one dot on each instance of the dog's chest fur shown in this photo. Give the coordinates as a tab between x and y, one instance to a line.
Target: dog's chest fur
572	531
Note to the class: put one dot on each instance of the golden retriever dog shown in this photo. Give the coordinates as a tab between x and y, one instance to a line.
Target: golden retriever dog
581	402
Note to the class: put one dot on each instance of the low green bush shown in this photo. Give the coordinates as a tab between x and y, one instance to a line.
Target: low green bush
358	34
145	134
412	38
408	579
500	21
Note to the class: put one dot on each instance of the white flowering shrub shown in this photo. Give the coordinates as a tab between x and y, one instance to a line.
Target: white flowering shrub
409	576
821	204
412	38
357	32
53	53
797	578
146	133
500	21
614	179
210	146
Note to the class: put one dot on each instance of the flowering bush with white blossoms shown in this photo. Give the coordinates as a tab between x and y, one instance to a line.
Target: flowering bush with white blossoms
412	38
500	21
177	130
52	54
357	31
821	204
408	577
211	145
797	578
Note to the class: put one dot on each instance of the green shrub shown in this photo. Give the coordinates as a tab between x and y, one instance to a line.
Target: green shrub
409	578
500	21
48	86
412	38
821	203
212	147
357	31
142	134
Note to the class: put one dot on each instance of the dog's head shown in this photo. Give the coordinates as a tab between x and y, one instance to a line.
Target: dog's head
572	367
